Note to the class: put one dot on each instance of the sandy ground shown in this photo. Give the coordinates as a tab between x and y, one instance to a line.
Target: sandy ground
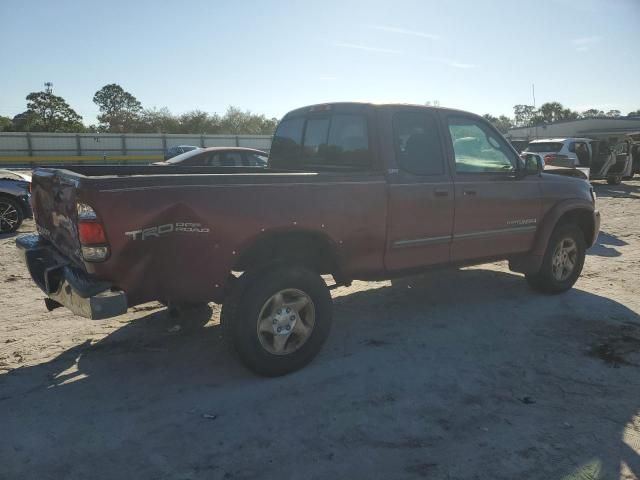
452	375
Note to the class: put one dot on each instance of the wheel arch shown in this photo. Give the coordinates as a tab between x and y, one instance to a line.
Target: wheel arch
574	211
313	249
579	212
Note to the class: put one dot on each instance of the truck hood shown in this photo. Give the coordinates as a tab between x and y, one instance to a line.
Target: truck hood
566	171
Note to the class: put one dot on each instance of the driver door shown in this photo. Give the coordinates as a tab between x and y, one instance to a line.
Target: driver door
496	211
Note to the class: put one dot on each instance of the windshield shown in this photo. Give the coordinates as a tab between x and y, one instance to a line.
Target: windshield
184	156
544	147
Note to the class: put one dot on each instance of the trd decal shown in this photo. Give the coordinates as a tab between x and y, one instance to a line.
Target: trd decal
167	228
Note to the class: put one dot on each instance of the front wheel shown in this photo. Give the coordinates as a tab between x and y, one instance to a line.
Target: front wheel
280	320
562	262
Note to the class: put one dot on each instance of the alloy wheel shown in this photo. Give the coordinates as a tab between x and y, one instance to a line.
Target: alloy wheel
285	321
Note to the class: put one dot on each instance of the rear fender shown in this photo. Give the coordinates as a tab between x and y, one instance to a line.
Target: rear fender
284	241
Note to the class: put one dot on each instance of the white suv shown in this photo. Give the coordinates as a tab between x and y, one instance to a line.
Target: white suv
562	152
597	159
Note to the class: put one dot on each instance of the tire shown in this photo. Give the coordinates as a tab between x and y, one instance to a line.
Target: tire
290	299
551	276
614	180
11	215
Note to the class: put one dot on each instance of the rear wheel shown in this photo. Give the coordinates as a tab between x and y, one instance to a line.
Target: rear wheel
280	319
562	262
11	215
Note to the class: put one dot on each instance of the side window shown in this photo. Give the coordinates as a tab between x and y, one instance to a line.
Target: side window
477	149
195	161
213	160
255	160
232	159
572	147
417	143
622	148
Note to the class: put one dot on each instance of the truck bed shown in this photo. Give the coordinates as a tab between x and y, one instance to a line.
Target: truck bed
180	231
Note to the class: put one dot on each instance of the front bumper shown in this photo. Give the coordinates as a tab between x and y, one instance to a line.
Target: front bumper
67	285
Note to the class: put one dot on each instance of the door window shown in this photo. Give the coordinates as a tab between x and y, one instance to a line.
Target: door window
477	149
232	159
214	159
417	143
255	160
582	152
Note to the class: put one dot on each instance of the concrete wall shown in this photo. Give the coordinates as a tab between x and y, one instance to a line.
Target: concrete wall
22	149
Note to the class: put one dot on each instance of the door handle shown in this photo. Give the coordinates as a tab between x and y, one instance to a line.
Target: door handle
469	193
441	193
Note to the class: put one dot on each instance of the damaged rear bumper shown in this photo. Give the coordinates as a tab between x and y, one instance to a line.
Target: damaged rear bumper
68	285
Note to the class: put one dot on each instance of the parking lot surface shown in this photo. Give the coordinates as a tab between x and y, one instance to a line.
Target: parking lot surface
449	375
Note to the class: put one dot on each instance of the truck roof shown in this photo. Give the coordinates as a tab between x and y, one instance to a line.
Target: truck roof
351	106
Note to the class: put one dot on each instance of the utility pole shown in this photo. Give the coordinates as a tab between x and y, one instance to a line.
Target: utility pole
48	87
533	93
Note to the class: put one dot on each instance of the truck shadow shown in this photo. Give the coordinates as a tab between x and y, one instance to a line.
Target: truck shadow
448	375
604	246
624	190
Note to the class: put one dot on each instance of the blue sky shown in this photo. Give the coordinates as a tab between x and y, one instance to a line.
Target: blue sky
273	56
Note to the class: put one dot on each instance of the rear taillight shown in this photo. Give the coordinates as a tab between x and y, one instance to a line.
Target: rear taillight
549	158
91	233
93	239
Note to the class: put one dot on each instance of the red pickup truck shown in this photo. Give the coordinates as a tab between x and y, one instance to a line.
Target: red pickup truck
356	191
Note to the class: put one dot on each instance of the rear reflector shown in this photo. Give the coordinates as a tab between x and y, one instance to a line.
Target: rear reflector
91	233
95	254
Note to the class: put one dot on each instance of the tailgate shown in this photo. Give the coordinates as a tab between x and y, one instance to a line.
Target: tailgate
53	198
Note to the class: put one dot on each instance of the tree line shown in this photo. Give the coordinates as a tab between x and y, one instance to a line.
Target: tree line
121	112
529	116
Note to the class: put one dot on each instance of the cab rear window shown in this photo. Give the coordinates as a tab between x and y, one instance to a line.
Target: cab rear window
338	140
287	140
544	147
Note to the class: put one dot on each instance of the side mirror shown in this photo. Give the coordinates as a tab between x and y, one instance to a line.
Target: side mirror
533	164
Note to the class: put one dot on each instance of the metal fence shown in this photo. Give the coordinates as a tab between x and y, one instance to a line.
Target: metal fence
25	149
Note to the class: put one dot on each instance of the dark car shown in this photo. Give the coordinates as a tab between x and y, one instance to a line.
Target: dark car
178	150
220	157
14	200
